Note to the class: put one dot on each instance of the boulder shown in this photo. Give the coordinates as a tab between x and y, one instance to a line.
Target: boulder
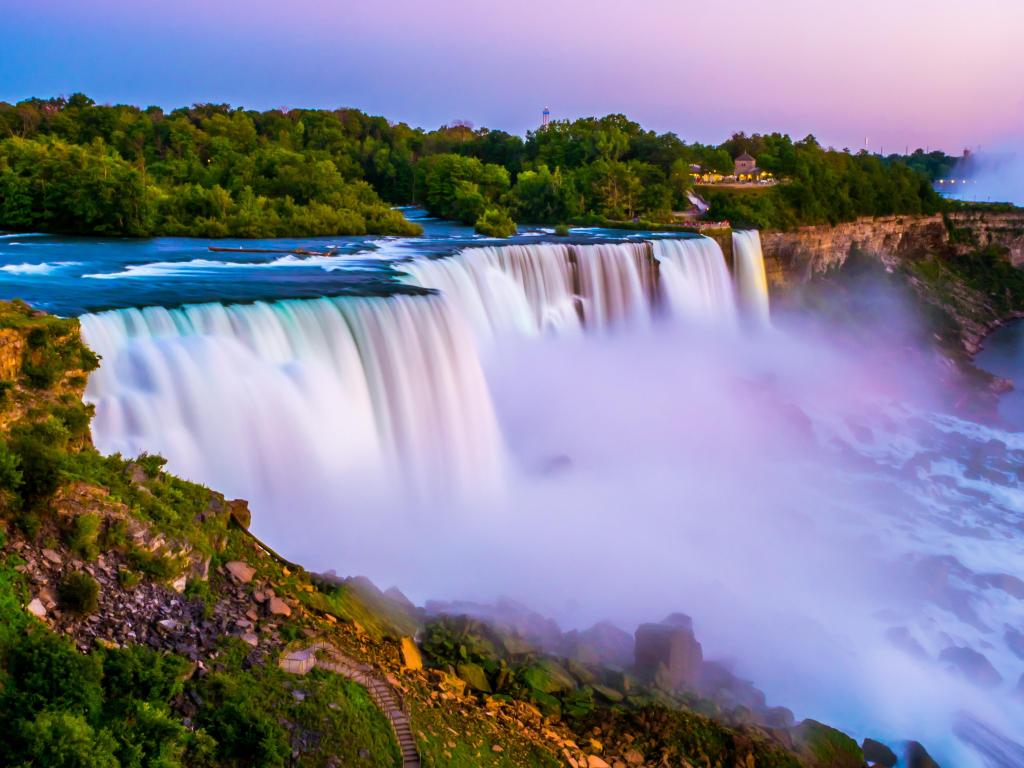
411	658
52	556
278	607
671	647
241	572
877	753
917	756
825	746
972	665
474	676
239	511
603	644
548	676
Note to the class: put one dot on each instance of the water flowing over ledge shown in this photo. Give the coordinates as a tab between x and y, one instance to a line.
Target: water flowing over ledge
389	389
251	396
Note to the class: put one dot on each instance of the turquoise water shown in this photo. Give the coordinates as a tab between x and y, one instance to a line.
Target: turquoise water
75	275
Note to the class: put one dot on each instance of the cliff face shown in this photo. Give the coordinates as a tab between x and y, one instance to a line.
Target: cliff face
795	257
962	267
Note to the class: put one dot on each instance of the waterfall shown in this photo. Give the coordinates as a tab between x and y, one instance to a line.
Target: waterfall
530	289
751	279
261	397
695	282
506	290
256	398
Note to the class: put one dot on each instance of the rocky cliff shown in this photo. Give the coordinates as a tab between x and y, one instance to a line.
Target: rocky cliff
964	265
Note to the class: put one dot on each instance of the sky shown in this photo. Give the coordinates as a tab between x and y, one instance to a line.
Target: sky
938	74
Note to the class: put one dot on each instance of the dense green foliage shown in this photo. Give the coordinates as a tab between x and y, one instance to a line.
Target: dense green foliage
821	186
117	708
69	165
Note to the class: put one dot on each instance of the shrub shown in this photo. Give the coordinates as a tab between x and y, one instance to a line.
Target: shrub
65	740
562	230
154	565
44	671
140	673
495	222
83	538
79	592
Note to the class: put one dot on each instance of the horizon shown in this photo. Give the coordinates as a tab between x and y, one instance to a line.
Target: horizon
499	68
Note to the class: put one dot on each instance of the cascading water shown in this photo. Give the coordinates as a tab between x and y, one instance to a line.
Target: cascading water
252	397
695	280
739	480
751	280
565	288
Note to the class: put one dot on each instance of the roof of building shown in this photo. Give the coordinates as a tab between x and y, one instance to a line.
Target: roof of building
745	156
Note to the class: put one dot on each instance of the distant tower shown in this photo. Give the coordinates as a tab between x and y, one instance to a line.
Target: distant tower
545	117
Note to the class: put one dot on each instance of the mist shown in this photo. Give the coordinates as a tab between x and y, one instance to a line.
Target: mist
993	176
798	488
750	480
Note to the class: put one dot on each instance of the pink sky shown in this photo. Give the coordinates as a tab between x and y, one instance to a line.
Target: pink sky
945	73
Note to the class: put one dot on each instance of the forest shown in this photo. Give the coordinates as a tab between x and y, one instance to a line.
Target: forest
69	165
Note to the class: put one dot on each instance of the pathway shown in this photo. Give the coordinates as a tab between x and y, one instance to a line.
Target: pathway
387	699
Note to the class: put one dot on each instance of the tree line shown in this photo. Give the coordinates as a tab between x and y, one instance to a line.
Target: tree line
69	165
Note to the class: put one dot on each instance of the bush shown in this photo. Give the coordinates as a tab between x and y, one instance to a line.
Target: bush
66	740
495	222
562	230
44	671
143	674
79	592
155	565
83	538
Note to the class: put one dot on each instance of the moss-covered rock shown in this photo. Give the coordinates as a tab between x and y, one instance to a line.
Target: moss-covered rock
826	747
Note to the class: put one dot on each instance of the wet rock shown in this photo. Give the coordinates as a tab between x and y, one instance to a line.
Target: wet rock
972	665
824	745
241	572
1004	581
878	753
916	756
902	639
670	649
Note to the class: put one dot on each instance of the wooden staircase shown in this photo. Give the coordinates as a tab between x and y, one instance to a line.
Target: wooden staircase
387	699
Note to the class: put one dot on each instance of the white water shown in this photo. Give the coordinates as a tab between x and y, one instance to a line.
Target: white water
254	398
695	280
562	289
762	484
751	280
